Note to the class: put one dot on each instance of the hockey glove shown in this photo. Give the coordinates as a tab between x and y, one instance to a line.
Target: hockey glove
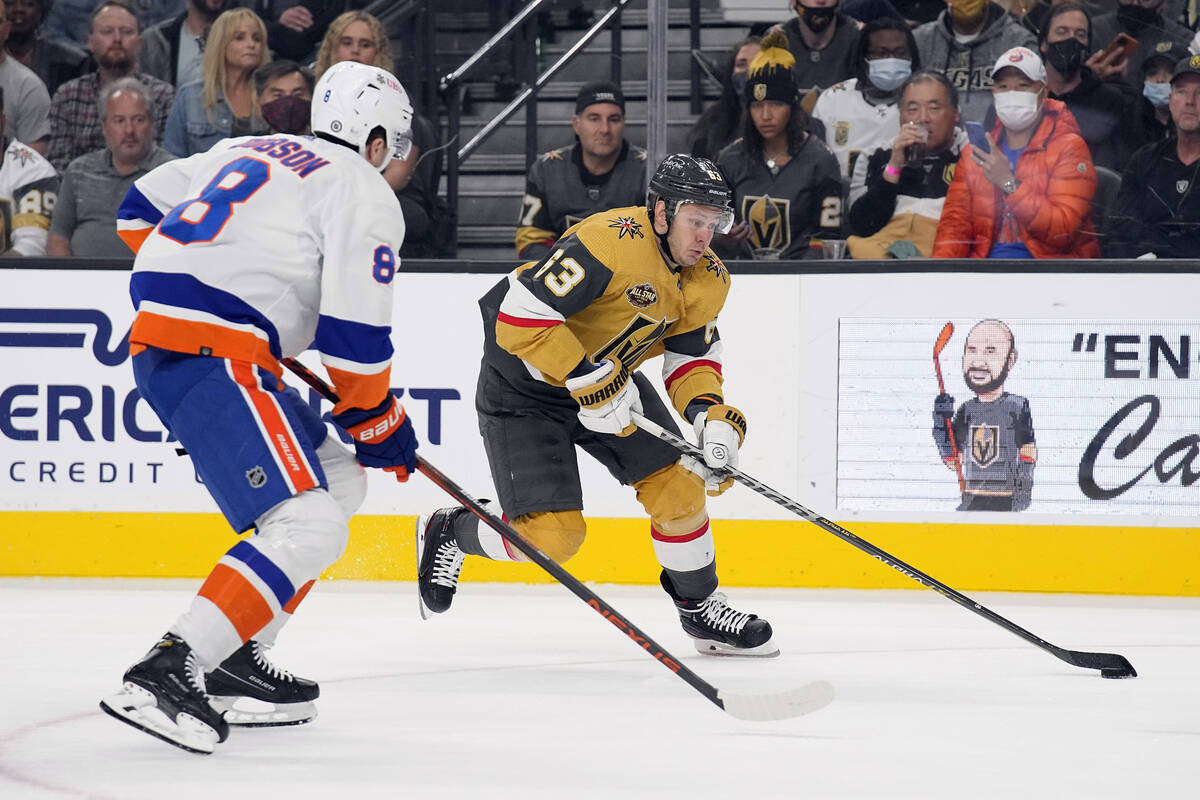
720	430
1023	489
606	398
383	437
943	410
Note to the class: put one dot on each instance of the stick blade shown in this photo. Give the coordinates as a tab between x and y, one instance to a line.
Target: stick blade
1111	665
943	338
780	705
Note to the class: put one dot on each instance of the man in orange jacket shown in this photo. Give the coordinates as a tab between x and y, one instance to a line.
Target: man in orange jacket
1030	194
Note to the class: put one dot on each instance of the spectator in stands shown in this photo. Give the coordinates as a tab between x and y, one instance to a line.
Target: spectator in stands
964	41
223	103
1108	117
1156	92
898	213
53	62
823	42
95	183
918	12
787	190
28	185
1030	195
1158	205
28	102
173	51
861	114
359	36
67	20
427	231
721	122
601	170
75	125
284	96
1143	20
294	29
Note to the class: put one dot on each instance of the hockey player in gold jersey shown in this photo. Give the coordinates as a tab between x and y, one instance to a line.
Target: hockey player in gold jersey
564	337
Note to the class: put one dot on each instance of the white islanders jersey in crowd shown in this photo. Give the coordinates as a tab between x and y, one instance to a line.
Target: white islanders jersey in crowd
854	127
262	247
28	189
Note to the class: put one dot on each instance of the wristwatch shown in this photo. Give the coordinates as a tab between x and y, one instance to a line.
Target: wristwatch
1010	186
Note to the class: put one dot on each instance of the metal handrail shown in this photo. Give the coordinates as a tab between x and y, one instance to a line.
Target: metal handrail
456	77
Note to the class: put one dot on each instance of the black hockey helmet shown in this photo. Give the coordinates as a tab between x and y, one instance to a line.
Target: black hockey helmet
682	179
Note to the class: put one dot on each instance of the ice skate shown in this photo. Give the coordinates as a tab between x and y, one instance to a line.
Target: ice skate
439	560
248	690
163	695
719	630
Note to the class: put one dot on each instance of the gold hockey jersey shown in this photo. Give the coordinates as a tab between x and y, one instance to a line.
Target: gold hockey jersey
605	291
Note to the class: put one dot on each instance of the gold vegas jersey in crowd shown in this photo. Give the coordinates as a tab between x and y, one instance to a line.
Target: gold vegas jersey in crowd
605	291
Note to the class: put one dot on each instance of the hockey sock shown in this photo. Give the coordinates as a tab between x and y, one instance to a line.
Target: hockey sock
476	541
688	561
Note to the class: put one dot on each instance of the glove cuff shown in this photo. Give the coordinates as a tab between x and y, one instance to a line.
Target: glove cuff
727	414
600	386
379	423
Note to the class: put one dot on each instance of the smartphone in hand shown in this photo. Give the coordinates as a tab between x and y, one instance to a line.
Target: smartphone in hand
977	136
1123	42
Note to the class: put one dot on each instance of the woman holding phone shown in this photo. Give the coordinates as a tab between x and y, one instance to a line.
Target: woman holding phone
1024	189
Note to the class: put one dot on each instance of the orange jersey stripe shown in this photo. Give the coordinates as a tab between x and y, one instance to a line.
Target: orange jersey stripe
238	600
189	336
359	391
133	238
299	596
278	431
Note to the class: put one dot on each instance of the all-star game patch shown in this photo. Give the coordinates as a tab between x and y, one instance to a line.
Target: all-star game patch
641	296
627	225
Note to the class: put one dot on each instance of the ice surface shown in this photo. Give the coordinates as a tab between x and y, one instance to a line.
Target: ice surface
524	692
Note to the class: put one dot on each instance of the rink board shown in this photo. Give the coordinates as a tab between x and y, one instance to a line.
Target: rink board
832	370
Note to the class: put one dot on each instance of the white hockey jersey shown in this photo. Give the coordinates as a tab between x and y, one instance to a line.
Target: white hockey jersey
265	246
854	127
28	189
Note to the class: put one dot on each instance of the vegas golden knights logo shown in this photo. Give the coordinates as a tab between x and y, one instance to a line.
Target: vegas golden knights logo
768	218
841	132
760	91
948	173
985	444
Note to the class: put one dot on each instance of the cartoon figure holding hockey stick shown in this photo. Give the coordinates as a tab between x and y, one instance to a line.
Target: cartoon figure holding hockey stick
995	467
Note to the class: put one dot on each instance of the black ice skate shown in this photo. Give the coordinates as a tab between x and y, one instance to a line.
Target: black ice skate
163	695
439	560
720	630
250	691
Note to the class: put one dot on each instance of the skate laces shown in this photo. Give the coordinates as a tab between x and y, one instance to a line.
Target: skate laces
447	564
260	658
194	672
716	612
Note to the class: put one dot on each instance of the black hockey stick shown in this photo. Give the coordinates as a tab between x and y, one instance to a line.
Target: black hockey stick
1111	665
754	707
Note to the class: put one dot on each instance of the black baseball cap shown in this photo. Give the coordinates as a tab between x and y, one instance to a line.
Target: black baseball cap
599	92
1185	66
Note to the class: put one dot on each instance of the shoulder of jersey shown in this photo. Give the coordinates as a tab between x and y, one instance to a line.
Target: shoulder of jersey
639	153
23	156
843	86
618	228
555	155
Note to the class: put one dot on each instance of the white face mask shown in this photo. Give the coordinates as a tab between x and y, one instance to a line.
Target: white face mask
1017	110
888	73
1157	93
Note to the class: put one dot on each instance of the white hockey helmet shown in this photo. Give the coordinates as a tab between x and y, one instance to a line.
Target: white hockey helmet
352	99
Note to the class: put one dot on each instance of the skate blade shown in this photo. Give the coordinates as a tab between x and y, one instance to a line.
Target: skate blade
247	712
137	707
708	647
422	523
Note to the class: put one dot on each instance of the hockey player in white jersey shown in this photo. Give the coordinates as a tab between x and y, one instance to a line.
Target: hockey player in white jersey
247	254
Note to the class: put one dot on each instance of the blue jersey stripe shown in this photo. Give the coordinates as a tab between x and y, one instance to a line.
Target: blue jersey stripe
353	341
264	568
185	291
137	206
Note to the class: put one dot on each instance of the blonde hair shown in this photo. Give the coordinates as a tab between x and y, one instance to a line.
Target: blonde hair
383	46
219	37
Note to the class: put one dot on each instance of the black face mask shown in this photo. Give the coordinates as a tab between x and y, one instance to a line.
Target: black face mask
817	19
1066	56
1135	17
287	114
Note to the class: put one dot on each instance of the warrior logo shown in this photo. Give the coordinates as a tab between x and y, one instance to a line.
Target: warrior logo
641	296
768	218
985	444
257	477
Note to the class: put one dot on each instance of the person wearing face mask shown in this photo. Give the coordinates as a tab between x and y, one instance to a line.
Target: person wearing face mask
1030	194
718	125
824	42
860	114
284	96
1158	206
1144	21
963	42
1107	116
1155	117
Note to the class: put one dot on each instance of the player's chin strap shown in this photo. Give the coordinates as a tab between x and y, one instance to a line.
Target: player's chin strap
1110	665
755	707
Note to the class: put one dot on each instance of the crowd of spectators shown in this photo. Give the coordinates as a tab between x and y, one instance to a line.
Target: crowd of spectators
849	119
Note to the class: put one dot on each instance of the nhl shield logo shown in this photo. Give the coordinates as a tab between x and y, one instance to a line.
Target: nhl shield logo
257	477
1181	186
985	444
641	296
841	132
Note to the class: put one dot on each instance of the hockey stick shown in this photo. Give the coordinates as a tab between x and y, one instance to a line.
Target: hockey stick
938	346
1111	665
753	707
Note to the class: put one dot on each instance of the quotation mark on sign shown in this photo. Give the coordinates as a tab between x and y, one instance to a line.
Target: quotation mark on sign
1091	343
